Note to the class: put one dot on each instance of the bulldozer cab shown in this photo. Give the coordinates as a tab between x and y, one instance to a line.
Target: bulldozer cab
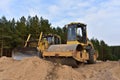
76	32
52	39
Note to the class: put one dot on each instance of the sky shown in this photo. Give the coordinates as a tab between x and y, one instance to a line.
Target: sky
101	16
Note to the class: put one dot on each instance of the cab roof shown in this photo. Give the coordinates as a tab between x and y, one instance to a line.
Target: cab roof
79	24
51	35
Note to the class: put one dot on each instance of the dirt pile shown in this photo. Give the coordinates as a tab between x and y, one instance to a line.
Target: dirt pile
35	69
27	69
109	70
39	69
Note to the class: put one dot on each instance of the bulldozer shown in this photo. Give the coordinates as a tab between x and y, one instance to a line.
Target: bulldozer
77	49
36	46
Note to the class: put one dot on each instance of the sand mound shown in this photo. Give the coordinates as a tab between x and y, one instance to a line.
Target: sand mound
39	69
35	69
68	73
27	69
101	71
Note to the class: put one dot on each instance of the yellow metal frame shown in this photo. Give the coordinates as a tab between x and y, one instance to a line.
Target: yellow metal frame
27	40
75	42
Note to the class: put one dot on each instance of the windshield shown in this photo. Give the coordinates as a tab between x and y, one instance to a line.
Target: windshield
50	40
79	32
72	32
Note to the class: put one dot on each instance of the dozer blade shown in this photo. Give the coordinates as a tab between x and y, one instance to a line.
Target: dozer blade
20	53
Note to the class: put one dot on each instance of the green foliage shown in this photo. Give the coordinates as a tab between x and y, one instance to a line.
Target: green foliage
14	33
115	51
105	51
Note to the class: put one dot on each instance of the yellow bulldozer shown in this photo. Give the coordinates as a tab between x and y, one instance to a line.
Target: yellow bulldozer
34	47
78	48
